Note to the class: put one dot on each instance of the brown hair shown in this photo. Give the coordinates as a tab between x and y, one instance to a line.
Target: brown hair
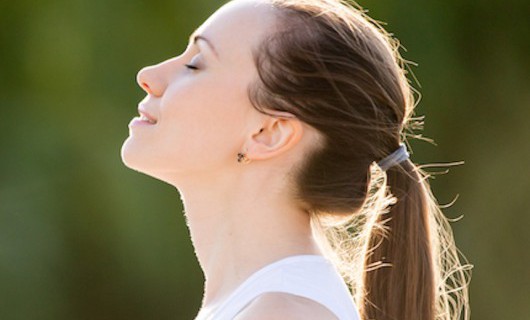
337	70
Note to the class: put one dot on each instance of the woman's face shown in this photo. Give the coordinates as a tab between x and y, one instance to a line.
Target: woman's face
200	113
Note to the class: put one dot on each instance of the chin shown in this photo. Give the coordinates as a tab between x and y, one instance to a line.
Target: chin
130	156
136	157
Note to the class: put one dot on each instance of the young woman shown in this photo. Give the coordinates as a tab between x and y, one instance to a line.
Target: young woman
282	127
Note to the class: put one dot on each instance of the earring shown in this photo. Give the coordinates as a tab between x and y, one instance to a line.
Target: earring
242	158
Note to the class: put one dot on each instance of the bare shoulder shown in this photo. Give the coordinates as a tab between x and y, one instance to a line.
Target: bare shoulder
279	305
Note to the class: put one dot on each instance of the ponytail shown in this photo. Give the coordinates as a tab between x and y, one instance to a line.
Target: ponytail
404	286
398	254
411	266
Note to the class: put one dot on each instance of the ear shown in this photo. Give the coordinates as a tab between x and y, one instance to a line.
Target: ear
277	135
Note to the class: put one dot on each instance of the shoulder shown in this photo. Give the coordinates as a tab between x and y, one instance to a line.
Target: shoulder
279	305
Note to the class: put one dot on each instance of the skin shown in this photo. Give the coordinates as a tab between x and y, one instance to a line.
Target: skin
241	216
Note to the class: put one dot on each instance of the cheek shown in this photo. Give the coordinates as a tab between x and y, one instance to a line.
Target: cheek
205	118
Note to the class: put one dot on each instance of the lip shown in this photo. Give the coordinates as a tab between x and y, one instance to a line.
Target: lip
138	121
143	112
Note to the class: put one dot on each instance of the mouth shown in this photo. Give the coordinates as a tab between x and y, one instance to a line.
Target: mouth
144	116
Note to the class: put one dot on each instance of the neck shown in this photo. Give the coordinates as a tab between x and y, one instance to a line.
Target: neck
238	227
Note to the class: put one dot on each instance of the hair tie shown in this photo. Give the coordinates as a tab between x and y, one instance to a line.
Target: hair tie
396	157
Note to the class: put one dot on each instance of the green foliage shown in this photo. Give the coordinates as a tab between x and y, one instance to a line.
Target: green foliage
83	237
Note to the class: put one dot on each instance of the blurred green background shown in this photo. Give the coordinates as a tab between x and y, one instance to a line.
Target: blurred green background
83	237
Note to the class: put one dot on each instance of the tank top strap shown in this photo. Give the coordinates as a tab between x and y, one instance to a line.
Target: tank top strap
309	276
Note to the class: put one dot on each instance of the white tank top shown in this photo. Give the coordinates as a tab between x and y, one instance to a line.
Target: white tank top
310	276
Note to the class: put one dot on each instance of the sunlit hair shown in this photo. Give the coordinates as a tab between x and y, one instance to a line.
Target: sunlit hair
340	72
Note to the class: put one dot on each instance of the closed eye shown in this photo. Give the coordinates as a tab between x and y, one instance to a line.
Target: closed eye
193	63
189	66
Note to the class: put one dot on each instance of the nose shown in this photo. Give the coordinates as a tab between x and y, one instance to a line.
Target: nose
151	81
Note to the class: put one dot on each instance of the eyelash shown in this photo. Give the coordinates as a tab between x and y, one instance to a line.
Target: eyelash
189	66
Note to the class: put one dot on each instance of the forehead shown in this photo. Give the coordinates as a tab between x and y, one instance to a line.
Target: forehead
237	27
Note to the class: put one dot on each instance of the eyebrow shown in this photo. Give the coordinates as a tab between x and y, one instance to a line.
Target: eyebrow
195	36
